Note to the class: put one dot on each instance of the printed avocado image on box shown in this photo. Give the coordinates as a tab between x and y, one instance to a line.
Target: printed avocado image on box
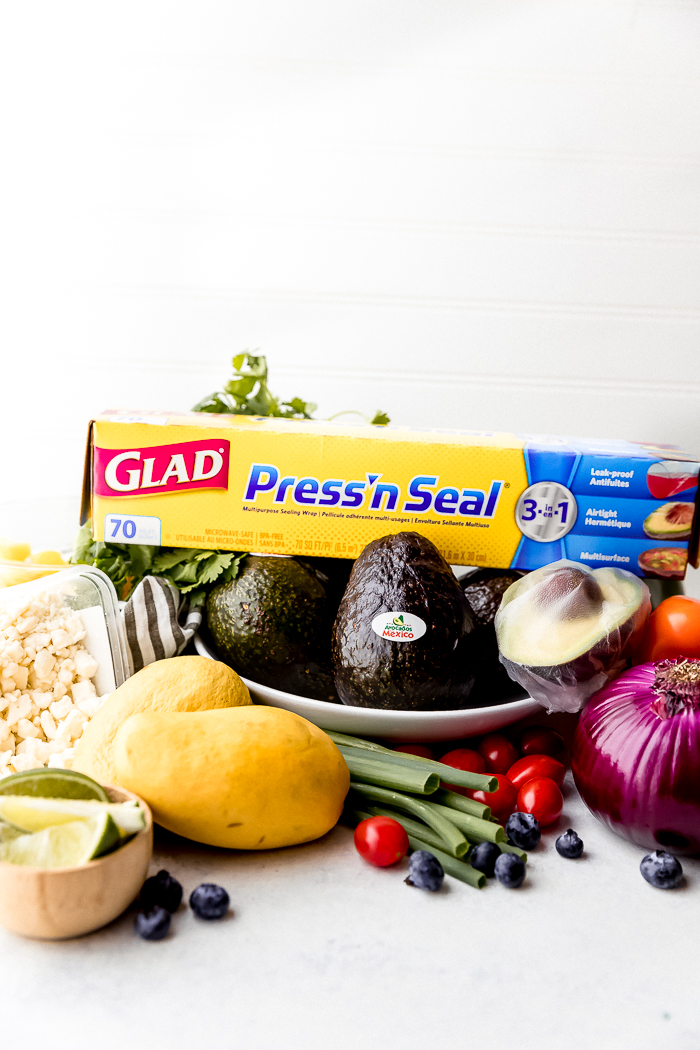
312	487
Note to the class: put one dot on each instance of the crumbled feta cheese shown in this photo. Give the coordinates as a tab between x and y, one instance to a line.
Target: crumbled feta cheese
43	664
60	708
48	724
20	676
60	638
21	763
85	664
46	693
26	728
92	705
74	722
62	759
83	690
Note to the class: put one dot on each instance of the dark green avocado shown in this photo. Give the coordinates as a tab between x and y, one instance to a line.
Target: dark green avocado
273	624
484	590
405	576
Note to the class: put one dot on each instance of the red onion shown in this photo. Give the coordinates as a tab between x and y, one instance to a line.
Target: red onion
636	755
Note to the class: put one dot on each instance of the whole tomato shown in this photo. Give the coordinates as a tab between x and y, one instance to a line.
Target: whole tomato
502	800
415	749
536	766
497	752
541	797
673	629
381	841
463	758
539	740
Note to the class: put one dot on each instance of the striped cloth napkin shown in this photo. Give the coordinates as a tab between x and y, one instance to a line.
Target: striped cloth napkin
158	622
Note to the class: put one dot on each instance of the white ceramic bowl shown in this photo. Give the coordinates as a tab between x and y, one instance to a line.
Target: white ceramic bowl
423	726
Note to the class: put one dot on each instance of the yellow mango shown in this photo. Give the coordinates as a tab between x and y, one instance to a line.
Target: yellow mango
183	683
10	550
11	575
246	778
46	558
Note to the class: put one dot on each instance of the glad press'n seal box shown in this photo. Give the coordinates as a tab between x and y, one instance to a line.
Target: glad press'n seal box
327	489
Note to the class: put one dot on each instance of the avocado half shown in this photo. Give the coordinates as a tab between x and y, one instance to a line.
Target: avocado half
564	630
673	521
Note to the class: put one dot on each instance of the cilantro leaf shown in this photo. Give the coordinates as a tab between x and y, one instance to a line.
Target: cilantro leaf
248	394
192	571
379	419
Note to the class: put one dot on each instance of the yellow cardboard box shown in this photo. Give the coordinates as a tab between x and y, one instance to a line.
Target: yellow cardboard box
327	489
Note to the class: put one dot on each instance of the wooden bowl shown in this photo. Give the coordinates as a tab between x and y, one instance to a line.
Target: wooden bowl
56	903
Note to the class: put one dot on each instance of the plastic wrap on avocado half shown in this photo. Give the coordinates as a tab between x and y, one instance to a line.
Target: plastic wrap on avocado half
564	630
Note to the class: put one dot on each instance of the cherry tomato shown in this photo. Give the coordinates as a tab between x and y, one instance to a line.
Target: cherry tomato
502	800
541	797
538	740
415	749
498	753
463	758
673	629
536	766
381	841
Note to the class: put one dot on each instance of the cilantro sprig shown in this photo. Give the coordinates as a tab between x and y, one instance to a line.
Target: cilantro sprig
248	394
192	571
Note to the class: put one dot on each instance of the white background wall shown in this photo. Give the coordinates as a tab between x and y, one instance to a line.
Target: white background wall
477	213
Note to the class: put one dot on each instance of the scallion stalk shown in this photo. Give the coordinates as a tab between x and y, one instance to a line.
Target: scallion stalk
456	868
505	847
478	830
466	805
371	770
414	827
461	777
427	812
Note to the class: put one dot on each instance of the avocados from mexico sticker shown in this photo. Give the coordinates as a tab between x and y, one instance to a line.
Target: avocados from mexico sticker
398	626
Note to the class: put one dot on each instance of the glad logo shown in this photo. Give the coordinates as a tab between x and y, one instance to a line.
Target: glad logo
399	626
161	468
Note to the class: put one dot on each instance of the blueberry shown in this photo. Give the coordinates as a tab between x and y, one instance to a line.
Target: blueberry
152	925
523	830
162	890
510	870
662	870
569	845
484	856
424	871
209	901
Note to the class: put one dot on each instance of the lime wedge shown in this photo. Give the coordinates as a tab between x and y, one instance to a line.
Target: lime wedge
34	814
64	845
8	831
53	783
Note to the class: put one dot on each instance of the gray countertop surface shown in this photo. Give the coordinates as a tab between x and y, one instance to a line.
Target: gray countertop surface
322	950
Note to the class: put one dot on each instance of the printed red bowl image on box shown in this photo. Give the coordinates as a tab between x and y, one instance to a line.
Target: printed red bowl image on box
670	477
668	563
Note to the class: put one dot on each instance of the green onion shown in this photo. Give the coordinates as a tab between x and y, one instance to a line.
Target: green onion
355	741
373	770
421	837
505	847
427	812
460	777
457	868
478	830
414	827
466	805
